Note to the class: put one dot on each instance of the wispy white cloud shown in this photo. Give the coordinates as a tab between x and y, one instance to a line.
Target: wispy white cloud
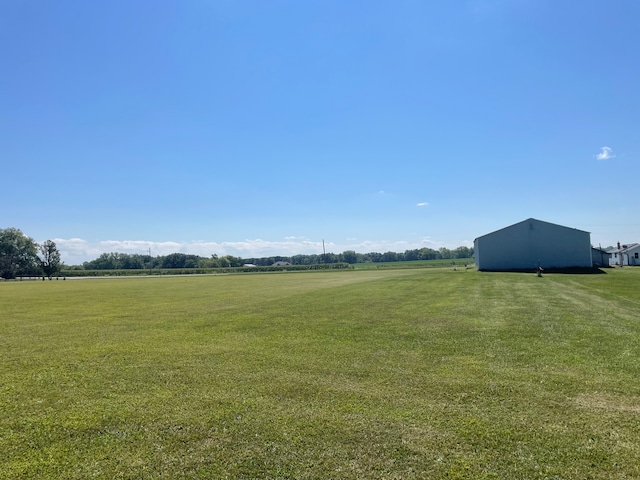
606	153
72	249
422	204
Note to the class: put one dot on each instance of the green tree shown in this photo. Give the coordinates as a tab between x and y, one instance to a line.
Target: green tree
375	257
132	261
410	255
331	258
212	262
389	257
49	258
174	260
349	256
463	252
106	261
18	253
428	254
191	262
235	261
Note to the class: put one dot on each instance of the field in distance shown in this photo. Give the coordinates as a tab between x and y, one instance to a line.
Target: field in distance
386	373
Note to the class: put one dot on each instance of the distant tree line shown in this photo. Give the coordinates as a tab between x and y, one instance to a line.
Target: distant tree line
350	256
20	255
125	261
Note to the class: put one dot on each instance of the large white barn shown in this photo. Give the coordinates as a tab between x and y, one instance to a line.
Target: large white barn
532	243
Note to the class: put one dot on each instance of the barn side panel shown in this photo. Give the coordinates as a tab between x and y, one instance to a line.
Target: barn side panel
525	245
505	249
560	247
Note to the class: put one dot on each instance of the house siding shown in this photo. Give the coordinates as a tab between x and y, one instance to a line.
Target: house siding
625	256
525	245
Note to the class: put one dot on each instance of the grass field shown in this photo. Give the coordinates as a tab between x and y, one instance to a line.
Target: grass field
440	263
412	373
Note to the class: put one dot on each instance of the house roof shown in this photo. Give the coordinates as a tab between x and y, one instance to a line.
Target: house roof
625	248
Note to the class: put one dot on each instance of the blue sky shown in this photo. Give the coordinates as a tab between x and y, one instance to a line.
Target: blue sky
258	128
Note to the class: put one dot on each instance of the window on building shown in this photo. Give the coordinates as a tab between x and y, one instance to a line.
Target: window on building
635	255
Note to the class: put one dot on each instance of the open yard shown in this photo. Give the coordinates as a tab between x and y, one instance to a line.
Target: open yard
409	373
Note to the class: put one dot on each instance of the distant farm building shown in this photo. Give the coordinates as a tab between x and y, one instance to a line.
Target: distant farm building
600	257
625	255
281	264
532	243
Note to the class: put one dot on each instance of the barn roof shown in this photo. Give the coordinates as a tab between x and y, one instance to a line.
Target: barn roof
528	220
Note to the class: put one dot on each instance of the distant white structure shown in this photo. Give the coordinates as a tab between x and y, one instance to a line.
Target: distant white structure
625	255
532	243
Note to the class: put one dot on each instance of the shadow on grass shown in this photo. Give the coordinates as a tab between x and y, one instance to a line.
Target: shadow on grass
570	270
578	270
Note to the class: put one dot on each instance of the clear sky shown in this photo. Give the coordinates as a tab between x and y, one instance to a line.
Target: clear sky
259	128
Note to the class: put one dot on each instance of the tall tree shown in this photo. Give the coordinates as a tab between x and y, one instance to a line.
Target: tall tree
410	255
428	254
463	252
18	253
174	260
389	257
49	258
349	256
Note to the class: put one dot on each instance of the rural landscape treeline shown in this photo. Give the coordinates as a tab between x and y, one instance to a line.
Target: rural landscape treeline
124	261
21	255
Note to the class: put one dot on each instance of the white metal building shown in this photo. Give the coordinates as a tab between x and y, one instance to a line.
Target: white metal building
532	243
600	257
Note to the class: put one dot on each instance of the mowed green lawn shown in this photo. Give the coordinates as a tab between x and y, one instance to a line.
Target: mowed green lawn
425	373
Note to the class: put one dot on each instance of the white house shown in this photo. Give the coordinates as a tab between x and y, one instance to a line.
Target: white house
625	254
532	243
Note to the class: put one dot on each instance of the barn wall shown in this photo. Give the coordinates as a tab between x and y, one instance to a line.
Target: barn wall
526	244
600	258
